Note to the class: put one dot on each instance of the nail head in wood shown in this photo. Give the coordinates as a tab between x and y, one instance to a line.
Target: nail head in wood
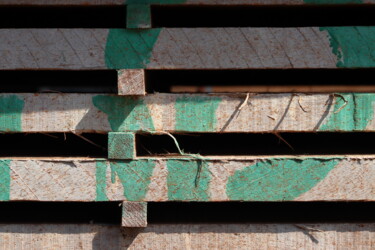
134	214
131	82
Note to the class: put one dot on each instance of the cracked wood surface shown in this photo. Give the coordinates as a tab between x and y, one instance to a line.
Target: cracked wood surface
189	236
307	178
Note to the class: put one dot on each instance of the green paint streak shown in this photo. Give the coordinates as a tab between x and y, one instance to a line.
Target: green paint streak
130	49
101	169
5	180
353	113
278	179
125	113
135	177
353	46
333	1
196	113
121	145
188	180
11	113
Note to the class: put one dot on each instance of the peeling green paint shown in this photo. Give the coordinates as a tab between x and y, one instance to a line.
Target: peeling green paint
352	112
188	180
101	173
11	107
353	46
196	113
135	177
5	180
333	1
125	113
278	179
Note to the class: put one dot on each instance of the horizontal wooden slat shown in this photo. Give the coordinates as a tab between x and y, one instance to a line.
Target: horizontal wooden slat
304	178
187	48
187	2
187	113
190	236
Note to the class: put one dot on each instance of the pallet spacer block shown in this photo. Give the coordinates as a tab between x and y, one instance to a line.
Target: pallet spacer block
138	16
131	82
134	214
121	145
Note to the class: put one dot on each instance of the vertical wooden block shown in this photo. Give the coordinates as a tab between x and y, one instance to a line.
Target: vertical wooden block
138	16
121	145
134	214
131	82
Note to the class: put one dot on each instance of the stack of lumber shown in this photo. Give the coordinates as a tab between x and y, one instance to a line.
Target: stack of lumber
135	180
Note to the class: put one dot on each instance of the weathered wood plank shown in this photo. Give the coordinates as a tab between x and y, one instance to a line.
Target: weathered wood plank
121	145
190	236
338	178
185	2
134	214
131	82
187	48
187	113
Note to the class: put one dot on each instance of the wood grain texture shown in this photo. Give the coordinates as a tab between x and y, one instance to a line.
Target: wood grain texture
134	214
131	82
172	48
121	146
193	236
187	2
287	178
187	113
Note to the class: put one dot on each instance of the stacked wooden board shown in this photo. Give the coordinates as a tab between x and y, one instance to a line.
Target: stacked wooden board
134	180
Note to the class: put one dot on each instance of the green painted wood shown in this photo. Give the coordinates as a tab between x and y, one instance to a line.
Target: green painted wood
138	16
308	178
121	145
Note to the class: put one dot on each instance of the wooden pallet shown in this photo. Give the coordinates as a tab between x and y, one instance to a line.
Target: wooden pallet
134	180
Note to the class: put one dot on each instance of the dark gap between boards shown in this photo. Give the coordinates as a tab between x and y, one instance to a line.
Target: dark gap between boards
58	81
53	145
189	212
257	144
180	16
63	17
260	212
260	81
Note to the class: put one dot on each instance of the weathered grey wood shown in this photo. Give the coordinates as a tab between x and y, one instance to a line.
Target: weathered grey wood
290	178
189	236
192	113
134	214
131	82
187	2
173	48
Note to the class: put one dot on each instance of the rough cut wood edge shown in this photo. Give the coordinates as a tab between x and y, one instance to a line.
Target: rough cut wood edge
134	214
131	82
189	236
121	146
188	2
289	178
187	113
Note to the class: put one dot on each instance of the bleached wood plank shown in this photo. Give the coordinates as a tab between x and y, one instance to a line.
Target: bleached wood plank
187	113
131	82
289	178
187	2
187	48
189	236
134	214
